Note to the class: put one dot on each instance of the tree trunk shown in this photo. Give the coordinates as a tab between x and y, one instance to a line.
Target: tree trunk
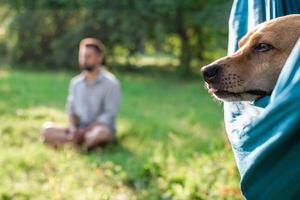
185	57
185	52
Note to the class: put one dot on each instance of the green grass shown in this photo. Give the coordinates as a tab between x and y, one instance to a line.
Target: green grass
171	142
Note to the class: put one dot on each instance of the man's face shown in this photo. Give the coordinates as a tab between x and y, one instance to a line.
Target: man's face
89	58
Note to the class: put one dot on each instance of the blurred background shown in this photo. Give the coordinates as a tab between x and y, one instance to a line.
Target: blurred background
172	143
173	34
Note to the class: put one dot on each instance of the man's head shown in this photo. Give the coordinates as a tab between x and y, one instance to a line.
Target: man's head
91	54
253	70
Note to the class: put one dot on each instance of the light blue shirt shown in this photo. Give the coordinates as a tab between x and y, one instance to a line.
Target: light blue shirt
97	102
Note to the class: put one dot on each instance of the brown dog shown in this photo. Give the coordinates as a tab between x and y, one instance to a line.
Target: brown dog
253	70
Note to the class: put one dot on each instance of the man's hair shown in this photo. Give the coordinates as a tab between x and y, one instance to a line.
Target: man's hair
94	43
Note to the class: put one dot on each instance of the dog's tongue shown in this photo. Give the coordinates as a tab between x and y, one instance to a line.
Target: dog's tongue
213	90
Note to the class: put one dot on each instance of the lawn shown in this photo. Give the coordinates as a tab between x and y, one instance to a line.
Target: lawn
171	145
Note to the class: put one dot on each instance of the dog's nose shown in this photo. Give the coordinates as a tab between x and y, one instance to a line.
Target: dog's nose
210	72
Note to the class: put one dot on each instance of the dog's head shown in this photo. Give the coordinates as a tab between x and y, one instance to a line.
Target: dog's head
253	70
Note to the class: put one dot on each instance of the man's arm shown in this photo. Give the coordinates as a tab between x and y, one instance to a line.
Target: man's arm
111	105
72	125
72	119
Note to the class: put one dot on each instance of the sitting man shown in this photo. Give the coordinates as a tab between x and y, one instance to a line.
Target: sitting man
92	104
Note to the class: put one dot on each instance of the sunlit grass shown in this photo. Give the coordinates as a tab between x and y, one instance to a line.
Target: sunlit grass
171	143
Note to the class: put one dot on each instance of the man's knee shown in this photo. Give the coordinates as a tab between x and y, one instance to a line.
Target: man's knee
45	131
53	134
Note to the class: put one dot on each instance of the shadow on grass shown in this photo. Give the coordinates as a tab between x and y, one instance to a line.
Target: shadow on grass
138	173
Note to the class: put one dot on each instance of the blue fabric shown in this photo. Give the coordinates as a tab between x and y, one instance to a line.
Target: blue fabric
265	135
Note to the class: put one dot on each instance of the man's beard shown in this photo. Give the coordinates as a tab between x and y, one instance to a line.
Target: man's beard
88	68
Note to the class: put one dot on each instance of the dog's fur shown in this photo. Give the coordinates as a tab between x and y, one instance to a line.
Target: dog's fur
253	70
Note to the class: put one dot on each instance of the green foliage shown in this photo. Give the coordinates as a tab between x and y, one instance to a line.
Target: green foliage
48	32
170	145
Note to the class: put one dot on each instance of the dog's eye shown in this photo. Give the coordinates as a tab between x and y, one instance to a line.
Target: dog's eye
262	47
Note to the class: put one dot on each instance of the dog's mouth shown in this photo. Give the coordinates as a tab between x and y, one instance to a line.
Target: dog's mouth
251	92
223	94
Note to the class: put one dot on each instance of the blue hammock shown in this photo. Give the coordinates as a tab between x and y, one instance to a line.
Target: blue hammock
265	135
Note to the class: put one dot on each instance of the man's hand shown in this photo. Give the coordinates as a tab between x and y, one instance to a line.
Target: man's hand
71	132
78	136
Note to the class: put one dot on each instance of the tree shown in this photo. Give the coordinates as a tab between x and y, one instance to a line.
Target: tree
49	31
